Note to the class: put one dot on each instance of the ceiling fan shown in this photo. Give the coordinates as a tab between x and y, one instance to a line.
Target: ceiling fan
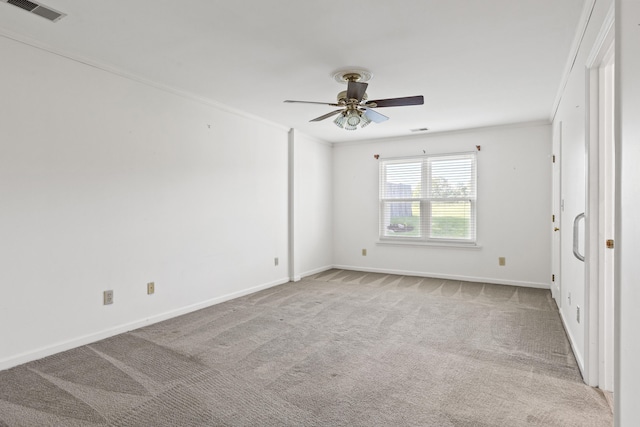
355	108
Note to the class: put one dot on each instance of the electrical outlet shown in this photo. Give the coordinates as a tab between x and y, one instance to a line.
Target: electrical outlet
578	313
276	261
502	261
364	252
151	288
107	297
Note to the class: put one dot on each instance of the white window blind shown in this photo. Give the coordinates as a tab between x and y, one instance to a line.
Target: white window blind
429	198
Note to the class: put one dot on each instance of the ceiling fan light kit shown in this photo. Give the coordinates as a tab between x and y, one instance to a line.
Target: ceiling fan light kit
351	119
357	110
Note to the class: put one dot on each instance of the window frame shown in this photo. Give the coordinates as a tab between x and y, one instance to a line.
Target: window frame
426	202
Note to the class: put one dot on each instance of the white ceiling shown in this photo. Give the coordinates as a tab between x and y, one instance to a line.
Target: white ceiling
477	62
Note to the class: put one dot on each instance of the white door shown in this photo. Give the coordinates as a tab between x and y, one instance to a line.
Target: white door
572	226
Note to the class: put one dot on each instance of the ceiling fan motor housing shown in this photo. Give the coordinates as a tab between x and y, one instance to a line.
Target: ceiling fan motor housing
342	98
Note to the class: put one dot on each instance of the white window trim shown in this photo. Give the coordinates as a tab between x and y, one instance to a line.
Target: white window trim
441	244
424	206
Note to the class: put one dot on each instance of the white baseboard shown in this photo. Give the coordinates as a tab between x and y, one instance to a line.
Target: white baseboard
90	338
572	342
314	271
447	276
29	356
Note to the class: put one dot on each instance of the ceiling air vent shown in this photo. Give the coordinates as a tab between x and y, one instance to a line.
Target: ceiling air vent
37	9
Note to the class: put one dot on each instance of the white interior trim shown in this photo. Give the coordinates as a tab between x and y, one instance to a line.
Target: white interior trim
604	39
121	73
572	341
490	280
312	272
452	245
91	338
292	208
592	315
429	134
575	48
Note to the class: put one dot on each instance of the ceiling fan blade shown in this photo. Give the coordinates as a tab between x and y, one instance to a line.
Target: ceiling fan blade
374	116
312	102
356	90
397	102
326	116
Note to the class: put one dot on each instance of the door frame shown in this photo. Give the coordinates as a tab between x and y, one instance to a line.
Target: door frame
597	314
606	225
556	225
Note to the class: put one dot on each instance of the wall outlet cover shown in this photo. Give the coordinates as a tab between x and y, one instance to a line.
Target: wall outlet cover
107	297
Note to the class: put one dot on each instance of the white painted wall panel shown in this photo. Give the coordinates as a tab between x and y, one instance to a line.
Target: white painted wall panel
313	199
106	183
514	205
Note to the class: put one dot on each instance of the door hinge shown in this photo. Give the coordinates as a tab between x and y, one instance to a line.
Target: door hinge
554	158
610	244
553	218
553	277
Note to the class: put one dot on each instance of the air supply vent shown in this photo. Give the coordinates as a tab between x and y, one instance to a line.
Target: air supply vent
37	9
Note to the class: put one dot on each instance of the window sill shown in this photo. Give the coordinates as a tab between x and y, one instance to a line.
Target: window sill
454	245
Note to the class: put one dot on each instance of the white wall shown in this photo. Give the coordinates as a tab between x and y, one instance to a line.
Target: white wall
106	183
569	125
627	392
514	205
312	201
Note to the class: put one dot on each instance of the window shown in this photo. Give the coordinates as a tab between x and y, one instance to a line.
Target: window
428	199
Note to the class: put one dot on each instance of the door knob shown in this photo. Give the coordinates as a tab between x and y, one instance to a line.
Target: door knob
555	229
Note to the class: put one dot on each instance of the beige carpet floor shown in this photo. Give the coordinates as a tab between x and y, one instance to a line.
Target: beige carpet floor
340	348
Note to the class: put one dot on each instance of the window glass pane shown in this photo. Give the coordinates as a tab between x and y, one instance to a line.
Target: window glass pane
451	178
401	219
451	220
402	180
443	186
